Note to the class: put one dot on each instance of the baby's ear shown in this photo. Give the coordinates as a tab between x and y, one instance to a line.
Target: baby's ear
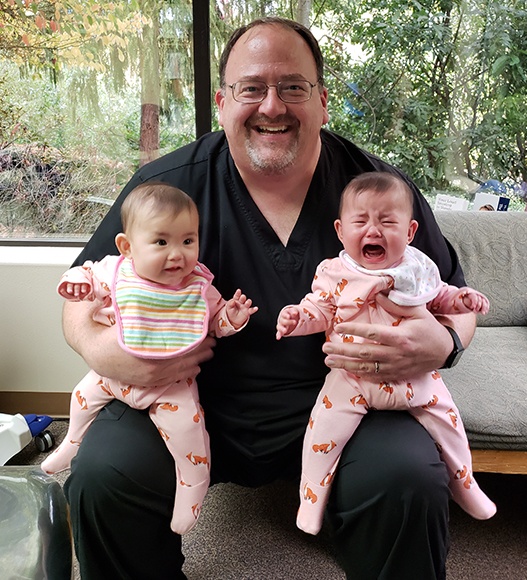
338	228
123	245
412	228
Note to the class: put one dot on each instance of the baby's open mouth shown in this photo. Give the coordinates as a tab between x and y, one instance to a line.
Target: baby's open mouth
373	251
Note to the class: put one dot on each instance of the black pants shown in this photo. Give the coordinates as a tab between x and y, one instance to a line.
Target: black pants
389	505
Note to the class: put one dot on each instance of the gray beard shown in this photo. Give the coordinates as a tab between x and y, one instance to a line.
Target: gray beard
274	164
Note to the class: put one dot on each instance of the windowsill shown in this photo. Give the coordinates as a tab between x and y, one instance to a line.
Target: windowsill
38	255
78	242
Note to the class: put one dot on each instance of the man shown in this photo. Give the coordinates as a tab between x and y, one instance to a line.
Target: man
268	190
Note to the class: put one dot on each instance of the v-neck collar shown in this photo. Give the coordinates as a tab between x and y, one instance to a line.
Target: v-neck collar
293	253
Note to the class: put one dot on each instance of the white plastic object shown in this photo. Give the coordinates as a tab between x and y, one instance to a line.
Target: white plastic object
14	435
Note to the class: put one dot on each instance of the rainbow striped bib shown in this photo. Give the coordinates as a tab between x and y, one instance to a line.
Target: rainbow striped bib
156	321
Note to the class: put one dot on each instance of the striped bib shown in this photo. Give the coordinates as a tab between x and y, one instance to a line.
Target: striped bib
156	321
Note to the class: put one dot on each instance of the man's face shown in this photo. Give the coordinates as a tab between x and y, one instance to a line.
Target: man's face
272	136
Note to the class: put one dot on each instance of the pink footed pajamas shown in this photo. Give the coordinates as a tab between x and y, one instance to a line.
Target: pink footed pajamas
343	291
154	321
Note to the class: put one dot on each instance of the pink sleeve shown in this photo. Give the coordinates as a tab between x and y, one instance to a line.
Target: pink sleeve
78	275
97	275
317	309
219	324
450	300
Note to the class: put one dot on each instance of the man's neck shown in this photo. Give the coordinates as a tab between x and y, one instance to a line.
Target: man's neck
280	199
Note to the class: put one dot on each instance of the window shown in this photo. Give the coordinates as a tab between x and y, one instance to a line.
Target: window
91	90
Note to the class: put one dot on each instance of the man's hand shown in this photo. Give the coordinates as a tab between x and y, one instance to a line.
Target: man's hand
417	345
98	346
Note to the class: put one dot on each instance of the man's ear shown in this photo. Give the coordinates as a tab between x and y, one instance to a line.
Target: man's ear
219	97
123	245
412	228
324	101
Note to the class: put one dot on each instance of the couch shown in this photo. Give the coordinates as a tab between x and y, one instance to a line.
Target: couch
489	384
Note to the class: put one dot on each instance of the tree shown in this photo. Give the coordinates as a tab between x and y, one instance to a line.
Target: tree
303	12
150	85
79	32
437	84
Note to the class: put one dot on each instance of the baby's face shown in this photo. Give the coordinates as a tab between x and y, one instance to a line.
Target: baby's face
164	247
375	228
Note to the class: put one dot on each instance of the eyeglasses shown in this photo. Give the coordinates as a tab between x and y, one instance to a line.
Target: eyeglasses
256	91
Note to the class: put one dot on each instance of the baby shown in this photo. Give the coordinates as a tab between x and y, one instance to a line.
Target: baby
375	226
163	303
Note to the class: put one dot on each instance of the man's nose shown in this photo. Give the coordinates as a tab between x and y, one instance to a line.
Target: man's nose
272	105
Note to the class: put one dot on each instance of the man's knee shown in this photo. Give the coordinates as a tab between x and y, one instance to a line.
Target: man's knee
389	502
122	445
392	454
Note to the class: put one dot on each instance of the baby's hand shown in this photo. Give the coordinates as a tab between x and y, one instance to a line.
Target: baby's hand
475	301
239	309
287	322
74	291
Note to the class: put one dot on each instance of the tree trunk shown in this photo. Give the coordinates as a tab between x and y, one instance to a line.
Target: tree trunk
303	9
150	90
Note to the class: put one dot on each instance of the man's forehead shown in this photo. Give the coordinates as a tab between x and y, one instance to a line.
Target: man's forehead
260	29
257	37
266	51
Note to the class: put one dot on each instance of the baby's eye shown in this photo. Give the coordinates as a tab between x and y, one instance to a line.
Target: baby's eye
188	241
161	242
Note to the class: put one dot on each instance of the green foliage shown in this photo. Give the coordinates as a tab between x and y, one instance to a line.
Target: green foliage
441	84
436	87
10	114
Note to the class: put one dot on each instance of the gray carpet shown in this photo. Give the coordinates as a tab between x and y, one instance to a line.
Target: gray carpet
247	534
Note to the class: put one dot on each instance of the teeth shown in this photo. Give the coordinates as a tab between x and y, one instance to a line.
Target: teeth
272	129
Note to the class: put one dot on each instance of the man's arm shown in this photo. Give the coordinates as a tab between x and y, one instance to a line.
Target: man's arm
418	345
97	345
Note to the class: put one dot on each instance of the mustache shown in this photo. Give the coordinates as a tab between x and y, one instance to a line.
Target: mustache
259	119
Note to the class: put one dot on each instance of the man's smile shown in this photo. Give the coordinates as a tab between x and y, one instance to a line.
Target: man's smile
266	129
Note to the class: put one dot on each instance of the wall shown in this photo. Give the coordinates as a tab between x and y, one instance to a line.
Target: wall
38	369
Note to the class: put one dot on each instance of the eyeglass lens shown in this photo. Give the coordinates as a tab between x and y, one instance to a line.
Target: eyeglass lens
256	91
